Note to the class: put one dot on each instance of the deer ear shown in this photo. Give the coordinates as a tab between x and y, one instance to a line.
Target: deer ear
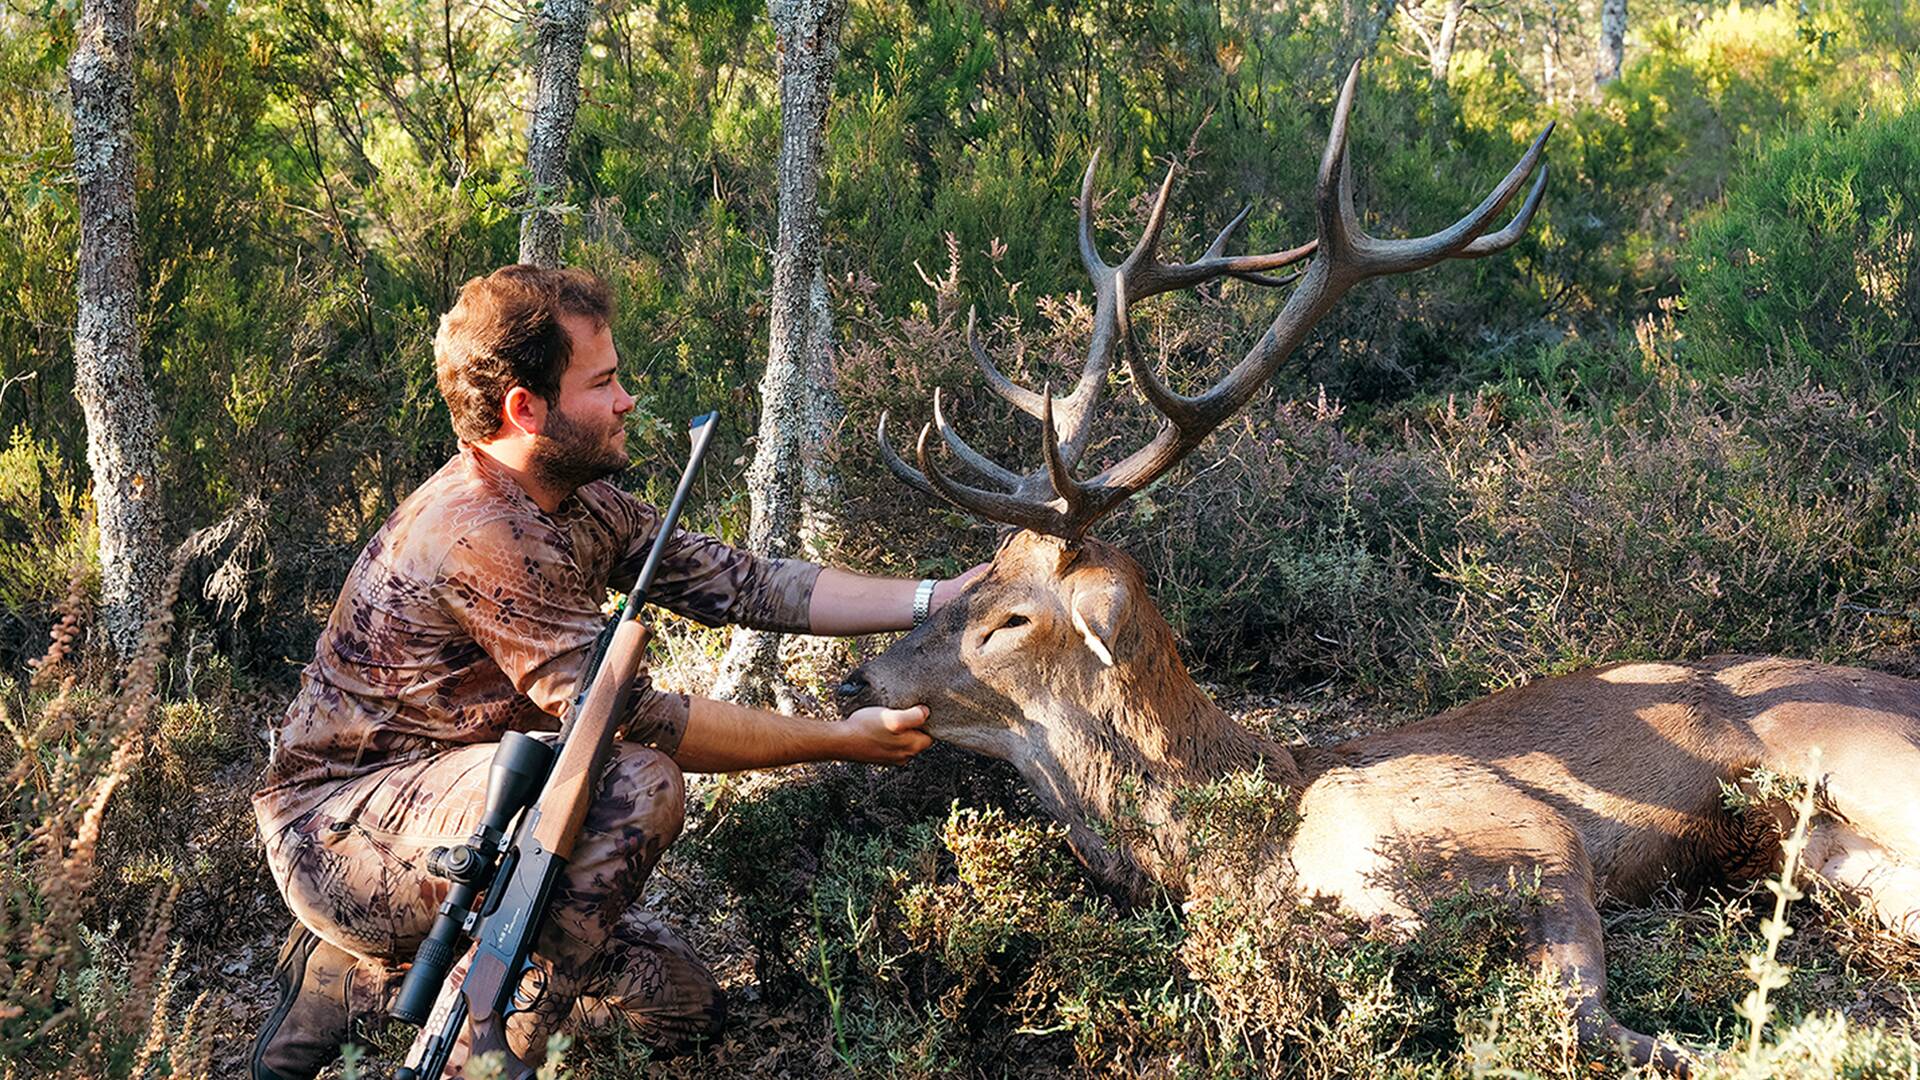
1096	614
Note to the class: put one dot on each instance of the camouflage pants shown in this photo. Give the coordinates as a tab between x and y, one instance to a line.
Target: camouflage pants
354	871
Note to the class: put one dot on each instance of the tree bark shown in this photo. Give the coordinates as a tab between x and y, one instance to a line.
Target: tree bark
1550	53
122	423
1361	23
788	482
560	33
1613	41
1440	57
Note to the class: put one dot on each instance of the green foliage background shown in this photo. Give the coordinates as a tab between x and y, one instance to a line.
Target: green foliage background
317	178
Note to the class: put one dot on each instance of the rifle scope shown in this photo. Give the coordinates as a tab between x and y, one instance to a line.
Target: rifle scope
519	769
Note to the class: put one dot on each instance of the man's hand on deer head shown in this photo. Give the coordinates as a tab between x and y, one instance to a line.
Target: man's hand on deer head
846	603
878	735
953	586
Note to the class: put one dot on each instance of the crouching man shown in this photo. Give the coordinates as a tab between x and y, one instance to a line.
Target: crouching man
473	612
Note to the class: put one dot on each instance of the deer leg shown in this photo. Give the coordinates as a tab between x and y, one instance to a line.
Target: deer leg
1868	760
1878	879
1567	938
1870	848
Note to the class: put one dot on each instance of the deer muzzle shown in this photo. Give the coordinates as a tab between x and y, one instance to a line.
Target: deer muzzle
855	692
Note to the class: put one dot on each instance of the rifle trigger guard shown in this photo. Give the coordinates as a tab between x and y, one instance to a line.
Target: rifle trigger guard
527	992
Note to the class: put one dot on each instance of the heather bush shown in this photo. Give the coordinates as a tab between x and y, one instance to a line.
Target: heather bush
1750	512
45	531
129	839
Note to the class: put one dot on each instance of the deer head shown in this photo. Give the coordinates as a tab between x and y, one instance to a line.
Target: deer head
1057	659
1052	620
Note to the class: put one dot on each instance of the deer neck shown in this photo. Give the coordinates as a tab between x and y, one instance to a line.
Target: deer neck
1116	770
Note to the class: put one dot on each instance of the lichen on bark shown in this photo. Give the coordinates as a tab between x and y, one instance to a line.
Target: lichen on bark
112	388
560	33
788	482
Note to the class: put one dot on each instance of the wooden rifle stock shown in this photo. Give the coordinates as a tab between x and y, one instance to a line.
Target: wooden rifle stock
563	805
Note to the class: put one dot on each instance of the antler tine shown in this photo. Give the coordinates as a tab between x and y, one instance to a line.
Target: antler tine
1177	409
1146	249
1333	190
1218	249
1357	255
1014	394
1268	280
1186	424
1152	277
994	506
902	471
1072	415
1219	245
1059	472
1097	267
973	459
1402	256
1507	237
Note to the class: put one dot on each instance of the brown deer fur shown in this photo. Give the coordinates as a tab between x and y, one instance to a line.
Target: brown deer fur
1605	781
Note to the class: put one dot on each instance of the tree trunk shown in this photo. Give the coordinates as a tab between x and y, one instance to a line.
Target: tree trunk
1546	72
819	487
1613	41
1361	23
1440	57
560	32
798	407
1550	53
122	424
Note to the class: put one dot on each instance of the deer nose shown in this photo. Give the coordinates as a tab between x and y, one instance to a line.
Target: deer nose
853	687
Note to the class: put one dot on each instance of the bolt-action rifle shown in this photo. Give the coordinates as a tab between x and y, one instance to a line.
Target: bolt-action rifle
502	882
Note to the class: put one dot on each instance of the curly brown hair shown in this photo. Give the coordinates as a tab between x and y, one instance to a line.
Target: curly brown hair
504	332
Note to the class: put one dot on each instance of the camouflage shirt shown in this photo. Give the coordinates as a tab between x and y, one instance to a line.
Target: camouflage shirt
472	612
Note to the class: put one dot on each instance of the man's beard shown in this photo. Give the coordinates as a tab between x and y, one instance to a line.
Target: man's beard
570	455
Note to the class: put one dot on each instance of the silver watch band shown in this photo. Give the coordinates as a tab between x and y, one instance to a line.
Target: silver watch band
923	601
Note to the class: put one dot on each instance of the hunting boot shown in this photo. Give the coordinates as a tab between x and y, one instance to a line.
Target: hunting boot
323	990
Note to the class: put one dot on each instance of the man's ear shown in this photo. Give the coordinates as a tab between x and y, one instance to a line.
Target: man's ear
523	411
1096	614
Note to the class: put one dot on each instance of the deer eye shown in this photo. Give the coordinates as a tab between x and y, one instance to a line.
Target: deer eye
1011	622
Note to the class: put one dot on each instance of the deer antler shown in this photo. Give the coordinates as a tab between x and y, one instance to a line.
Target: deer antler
1050	499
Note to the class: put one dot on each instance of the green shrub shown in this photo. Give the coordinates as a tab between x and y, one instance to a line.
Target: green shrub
1812	258
46	535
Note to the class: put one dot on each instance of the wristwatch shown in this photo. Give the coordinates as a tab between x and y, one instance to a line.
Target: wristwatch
923	601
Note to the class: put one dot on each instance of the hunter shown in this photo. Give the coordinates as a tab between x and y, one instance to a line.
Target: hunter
473	612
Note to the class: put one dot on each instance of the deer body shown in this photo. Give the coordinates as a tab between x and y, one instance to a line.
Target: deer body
1603	782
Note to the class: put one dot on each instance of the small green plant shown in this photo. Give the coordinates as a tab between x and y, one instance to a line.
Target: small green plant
1812	254
1764	968
1234	821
